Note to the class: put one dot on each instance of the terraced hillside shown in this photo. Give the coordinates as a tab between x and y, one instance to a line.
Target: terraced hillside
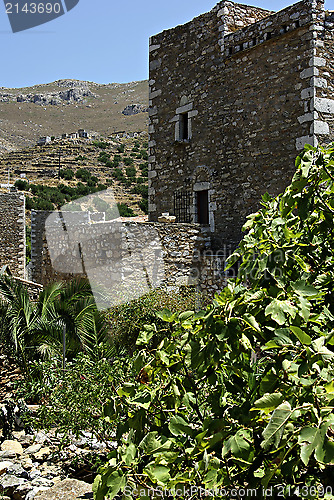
68	169
65	106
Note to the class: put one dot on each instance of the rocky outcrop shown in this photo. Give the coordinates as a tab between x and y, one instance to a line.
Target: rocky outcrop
76	91
134	109
32	466
77	94
69	488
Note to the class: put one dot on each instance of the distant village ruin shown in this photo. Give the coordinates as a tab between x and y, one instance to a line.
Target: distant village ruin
235	94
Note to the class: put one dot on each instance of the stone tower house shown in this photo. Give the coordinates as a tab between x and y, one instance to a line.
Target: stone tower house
234	96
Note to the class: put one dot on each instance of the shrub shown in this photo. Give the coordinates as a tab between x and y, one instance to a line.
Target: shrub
121	148
144	154
128	161
100	144
42	204
124	210
130	171
22	185
103	157
67	190
67	174
30	205
118	174
83	174
141	189
82	190
144	169
126	321
143	205
72	402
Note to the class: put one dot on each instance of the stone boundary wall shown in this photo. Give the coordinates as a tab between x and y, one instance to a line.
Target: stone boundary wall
13	233
183	246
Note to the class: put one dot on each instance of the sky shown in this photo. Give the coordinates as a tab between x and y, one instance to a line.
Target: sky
103	41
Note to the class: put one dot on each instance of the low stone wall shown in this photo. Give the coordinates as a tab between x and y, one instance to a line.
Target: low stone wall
125	257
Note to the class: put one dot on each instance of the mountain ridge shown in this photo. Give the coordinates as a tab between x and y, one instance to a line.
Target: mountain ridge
66	105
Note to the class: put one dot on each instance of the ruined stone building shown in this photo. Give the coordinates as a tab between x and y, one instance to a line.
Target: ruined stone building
234	96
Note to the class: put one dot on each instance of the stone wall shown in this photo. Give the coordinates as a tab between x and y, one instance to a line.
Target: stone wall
324	79
248	95
12	233
91	249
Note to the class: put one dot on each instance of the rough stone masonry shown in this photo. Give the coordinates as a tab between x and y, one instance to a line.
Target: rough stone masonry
235	94
13	233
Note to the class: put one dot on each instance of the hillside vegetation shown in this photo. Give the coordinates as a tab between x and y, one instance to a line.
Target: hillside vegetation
27	113
65	170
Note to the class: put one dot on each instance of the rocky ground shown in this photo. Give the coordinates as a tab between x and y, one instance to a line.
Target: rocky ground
38	465
31	466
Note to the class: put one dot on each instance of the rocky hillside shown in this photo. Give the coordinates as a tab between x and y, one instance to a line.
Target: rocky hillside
65	106
68	169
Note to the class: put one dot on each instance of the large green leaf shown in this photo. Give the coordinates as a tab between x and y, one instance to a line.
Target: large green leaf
158	473
178	426
239	445
278	308
309	439
269	401
115	482
273	433
303	337
152	443
304	289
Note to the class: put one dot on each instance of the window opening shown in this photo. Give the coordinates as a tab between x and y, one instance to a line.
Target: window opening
184	127
182	203
203	207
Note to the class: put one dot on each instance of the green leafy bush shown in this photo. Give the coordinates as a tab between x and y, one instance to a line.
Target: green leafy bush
130	171
104	157
128	161
100	144
126	321
144	154
121	148
124	210
43	204
22	185
83	174
144	169
240	395
118	174
143	205
72	400
29	203
140	189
